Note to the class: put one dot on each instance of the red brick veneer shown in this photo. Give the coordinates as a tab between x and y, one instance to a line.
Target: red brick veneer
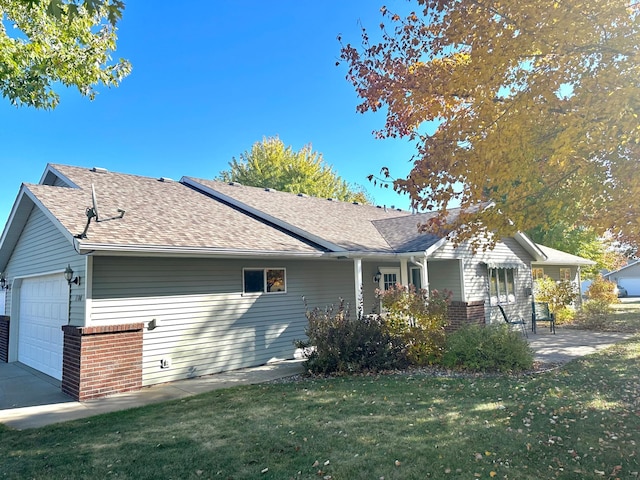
4	338
100	361
465	313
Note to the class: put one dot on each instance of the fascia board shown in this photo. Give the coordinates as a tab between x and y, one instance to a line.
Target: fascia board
51	217
87	248
10	226
262	215
531	248
51	169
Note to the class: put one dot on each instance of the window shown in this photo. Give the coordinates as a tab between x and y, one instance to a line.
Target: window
264	280
565	274
537	272
502	285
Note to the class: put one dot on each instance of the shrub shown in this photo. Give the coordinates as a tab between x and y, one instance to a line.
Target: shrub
489	348
565	315
602	290
595	314
415	322
557	294
336	343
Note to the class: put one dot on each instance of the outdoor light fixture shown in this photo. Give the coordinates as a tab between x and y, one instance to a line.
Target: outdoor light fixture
4	285
377	276
68	276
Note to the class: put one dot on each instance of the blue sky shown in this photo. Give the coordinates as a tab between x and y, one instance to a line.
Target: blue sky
211	78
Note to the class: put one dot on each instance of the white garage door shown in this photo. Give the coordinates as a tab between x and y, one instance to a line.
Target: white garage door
43	311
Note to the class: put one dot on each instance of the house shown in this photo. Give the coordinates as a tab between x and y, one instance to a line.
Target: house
114	281
627	277
560	266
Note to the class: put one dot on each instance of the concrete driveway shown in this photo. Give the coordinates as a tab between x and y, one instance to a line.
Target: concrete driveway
29	399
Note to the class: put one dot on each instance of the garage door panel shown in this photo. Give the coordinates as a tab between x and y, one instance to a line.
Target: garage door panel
43	312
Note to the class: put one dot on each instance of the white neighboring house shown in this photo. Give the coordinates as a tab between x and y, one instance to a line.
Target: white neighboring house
627	277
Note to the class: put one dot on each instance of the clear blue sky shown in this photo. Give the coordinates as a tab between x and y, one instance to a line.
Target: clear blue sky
211	78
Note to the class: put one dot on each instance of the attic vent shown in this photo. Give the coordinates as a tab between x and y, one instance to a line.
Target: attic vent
304	195
270	190
331	199
356	203
99	170
166	179
235	184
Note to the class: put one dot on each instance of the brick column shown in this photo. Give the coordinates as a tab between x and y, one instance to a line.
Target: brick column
4	338
465	313
101	361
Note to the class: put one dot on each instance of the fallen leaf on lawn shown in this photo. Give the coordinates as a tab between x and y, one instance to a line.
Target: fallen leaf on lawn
492	474
478	456
316	463
397	462
327	463
264	470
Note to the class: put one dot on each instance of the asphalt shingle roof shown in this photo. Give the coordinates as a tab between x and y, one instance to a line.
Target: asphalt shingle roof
158	214
347	225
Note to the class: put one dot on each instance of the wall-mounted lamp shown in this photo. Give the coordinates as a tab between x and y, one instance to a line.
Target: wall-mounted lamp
4	285
68	275
377	277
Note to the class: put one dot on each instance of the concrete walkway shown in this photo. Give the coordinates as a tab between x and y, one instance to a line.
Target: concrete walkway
29	399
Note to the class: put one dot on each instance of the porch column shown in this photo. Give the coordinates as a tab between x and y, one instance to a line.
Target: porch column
404	272
357	275
425	276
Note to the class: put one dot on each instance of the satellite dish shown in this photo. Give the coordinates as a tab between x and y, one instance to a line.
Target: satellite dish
92	212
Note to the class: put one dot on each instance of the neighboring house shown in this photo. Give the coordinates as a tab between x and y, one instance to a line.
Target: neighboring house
627	277
178	279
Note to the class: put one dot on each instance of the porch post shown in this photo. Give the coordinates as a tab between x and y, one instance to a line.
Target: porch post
425	276
404	272
357	275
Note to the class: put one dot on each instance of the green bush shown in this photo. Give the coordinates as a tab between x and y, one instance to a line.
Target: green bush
336	343
415	322
489	348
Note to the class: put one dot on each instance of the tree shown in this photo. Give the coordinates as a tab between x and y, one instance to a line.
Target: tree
270	164
536	104
57	41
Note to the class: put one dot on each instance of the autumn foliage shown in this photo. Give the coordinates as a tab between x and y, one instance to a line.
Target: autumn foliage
530	107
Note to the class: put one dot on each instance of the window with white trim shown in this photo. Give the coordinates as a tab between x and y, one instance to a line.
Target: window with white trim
565	274
502	285
264	280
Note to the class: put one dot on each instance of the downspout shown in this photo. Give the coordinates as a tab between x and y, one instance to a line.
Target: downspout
424	272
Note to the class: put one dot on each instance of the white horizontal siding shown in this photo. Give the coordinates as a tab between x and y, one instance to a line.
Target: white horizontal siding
475	275
205	324
445	275
42	249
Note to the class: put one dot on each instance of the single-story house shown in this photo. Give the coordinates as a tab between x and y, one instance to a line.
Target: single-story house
627	277
115	281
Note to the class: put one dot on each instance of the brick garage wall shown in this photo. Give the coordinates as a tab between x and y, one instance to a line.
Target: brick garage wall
465	313
101	361
4	338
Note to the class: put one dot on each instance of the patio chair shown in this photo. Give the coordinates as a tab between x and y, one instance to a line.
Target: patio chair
520	321
540	313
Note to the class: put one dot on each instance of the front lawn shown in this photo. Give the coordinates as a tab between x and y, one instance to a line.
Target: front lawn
580	421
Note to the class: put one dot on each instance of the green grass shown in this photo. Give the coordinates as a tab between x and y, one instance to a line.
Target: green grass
577	422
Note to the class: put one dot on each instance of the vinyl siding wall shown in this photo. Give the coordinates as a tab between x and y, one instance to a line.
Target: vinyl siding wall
475	275
42	249
204	322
